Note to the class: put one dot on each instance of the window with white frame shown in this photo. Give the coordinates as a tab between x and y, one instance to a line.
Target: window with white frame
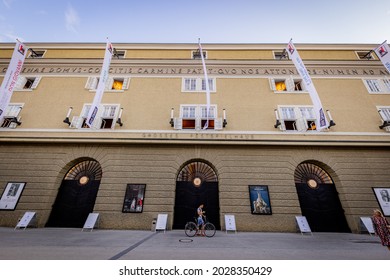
195	117
288	84
12	115
27	83
198	84
112	84
380	86
105	119
297	118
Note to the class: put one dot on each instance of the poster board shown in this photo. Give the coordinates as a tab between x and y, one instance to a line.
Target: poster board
92	220
303	225
366	225
230	223
161	223
11	195
382	195
28	219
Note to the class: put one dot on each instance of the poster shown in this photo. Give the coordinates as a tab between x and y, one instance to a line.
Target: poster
11	195
383	197
134	198
259	200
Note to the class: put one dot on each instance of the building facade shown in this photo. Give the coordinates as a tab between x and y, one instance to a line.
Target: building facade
260	159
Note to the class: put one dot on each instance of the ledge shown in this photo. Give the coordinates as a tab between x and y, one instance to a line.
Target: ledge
194	137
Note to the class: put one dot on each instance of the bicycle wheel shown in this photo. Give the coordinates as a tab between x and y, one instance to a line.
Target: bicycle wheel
209	229
190	229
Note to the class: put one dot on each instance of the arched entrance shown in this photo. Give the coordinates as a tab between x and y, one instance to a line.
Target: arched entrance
196	183
319	199
76	196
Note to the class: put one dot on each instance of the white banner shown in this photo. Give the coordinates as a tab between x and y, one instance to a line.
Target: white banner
321	121
207	87
92	114
383	52
11	77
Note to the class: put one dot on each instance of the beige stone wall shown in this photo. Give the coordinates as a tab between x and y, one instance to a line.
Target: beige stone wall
354	170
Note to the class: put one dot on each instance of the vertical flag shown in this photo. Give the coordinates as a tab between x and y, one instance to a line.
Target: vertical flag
11	77
207	87
101	85
321	121
383	52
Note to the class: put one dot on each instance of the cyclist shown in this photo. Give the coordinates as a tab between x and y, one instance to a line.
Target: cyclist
200	220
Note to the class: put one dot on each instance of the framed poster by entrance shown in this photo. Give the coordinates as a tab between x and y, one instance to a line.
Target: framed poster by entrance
383	197
11	195
134	198
259	199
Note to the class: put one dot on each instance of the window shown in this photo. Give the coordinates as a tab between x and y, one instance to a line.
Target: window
297	118
279	55
365	55
36	53
195	117
11	116
287	85
197	85
27	83
112	84
119	53
378	85
196	54
105	119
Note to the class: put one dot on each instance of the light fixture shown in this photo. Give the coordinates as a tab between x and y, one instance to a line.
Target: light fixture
385	123
277	119
224	118
119	120
66	120
171	122
15	120
331	122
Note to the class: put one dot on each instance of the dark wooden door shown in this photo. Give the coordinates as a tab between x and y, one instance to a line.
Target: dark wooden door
188	199
322	208
73	204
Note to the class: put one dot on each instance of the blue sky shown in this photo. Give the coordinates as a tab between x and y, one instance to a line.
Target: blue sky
182	21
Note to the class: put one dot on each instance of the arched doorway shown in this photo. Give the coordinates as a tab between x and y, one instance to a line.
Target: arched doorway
76	196
319	199
196	183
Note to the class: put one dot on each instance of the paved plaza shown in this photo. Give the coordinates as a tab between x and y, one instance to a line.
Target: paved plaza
100	244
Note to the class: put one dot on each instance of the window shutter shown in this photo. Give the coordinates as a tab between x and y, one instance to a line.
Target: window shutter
272	84
198	123
91	83
108	85
13	110
301	122
77	122
20	82
126	82
36	82
290	84
218	124
178	123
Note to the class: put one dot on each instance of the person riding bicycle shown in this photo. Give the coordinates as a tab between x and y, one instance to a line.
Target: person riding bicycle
201	220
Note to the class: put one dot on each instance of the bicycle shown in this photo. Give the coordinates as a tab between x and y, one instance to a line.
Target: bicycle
191	228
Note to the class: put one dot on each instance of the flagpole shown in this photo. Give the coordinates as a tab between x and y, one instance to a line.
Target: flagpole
207	86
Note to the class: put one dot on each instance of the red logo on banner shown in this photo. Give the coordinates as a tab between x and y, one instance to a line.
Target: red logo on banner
382	51
21	49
